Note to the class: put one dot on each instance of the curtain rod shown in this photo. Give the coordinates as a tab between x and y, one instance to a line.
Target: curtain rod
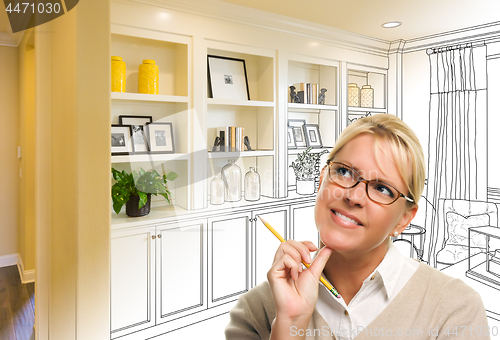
455	47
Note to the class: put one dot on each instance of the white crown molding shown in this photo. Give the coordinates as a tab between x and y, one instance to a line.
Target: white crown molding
6	40
11	39
221	10
480	33
397	46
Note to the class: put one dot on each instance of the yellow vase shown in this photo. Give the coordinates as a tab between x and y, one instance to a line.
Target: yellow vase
118	74
148	77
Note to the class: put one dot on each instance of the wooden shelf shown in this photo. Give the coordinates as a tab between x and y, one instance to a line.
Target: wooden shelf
149	158
148	97
300	106
231	102
238	154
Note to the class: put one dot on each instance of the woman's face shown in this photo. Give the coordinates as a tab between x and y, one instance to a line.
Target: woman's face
337	207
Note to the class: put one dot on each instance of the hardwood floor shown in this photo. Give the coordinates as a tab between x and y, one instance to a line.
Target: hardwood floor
17	306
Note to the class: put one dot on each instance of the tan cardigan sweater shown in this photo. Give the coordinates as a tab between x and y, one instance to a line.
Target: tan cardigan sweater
430	305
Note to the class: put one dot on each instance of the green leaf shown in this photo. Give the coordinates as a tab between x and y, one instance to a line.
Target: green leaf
171	176
117	207
166	196
143	198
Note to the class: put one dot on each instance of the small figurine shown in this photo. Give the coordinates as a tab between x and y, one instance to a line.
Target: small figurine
321	97
294	98
246	141
216	144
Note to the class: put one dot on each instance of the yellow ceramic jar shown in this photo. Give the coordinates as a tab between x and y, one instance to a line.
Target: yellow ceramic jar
118	74
148	77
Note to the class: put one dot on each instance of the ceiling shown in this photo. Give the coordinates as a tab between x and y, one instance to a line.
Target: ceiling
419	17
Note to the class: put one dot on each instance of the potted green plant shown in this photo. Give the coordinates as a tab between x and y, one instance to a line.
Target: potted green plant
306	169
135	190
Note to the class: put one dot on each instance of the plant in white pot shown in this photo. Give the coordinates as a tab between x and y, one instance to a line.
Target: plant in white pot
306	170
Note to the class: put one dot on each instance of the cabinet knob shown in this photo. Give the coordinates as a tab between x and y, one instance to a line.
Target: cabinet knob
159	235
153	237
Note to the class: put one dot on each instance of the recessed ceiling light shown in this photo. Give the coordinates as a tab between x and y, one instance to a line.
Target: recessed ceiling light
391	24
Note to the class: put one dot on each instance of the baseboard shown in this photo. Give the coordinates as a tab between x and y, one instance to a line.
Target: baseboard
9	260
27	276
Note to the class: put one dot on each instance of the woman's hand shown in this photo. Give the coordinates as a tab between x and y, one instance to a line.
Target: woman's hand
294	289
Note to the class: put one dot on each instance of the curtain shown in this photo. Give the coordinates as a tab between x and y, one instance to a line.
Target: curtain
457	155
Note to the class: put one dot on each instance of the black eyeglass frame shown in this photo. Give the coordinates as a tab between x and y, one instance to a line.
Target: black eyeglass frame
366	181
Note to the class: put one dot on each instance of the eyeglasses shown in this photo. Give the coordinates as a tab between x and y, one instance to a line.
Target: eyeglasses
378	191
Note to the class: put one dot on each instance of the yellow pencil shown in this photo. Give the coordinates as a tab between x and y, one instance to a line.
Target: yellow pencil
321	279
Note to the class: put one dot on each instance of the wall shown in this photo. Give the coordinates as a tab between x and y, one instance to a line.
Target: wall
9	181
416	95
493	120
27	141
73	174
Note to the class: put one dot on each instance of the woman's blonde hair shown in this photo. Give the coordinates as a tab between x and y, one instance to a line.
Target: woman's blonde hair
401	141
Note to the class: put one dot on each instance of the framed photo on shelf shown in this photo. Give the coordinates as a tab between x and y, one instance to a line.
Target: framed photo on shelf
312	135
227	78
139	141
121	140
291	138
298	132
160	137
135	120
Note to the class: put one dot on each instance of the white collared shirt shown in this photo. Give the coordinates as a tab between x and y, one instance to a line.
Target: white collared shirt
377	291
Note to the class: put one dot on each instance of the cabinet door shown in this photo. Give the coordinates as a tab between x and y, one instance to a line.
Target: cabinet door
229	258
181	255
303	224
265	243
132	280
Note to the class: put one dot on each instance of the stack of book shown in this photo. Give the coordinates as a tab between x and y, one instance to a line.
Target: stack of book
231	138
307	92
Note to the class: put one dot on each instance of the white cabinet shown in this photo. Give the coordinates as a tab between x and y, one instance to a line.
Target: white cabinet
158	273
180	269
264	242
374	77
229	257
172	53
132	280
256	116
322	72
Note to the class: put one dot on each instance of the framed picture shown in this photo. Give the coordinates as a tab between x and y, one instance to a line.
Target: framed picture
313	138
291	138
139	141
160	137
298	132
121	140
227	78
135	120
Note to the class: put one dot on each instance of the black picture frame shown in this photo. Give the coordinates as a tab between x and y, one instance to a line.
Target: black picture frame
312	136
134	120
291	138
160	137
121	134
298	131
139	139
224	71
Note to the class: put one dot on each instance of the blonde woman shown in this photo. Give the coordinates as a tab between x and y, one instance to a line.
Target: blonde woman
369	192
